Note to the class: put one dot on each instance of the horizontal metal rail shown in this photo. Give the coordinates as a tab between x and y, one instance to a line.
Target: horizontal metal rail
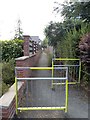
69	83
34	68
39	68
65	59
41	108
21	68
66	65
63	78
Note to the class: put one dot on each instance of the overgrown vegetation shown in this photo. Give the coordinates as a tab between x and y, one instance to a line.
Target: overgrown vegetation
8	74
4	88
11	49
84	46
66	36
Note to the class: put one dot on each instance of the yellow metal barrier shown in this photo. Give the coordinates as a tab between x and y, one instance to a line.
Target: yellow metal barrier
66	102
52	74
67	59
40	68
65	108
16	90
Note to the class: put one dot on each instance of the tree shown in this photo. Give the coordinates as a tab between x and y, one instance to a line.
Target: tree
44	43
75	10
18	31
54	33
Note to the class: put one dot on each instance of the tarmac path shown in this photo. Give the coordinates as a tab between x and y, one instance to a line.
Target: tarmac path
41	94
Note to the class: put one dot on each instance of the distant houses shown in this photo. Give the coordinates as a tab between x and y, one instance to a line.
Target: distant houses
31	45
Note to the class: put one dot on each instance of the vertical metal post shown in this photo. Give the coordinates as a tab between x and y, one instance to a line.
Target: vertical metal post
66	102
79	71
67	72
16	91
52	73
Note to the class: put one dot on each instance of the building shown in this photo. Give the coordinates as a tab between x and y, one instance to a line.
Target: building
31	44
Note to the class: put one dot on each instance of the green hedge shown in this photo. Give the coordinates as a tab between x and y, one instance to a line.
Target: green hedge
3	88
8	74
11	49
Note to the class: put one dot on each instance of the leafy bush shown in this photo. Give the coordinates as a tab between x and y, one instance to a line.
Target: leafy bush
3	88
11	49
68	47
49	56
8	74
84	46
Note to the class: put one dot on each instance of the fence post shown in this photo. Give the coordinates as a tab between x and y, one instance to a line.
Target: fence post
16	91
79	71
66	103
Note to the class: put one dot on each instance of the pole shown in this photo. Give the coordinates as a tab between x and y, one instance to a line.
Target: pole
66	103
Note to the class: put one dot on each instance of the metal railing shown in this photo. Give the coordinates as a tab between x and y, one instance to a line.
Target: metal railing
66	69
65	107
74	69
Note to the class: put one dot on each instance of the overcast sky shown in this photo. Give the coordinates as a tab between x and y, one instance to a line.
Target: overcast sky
34	15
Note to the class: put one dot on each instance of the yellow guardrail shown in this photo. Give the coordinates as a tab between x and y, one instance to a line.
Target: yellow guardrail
65	108
40	68
67	59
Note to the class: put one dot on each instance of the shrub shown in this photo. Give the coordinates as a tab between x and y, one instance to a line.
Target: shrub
77	44
84	46
8	74
11	49
3	88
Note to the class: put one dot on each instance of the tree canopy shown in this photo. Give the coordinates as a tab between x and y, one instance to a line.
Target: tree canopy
75	10
54	32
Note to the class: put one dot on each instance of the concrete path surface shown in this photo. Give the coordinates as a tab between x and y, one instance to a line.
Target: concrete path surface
40	94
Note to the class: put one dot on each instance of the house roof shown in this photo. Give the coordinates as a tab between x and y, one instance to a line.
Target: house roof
35	38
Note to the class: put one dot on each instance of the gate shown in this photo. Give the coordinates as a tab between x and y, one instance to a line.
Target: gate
74	69
52	78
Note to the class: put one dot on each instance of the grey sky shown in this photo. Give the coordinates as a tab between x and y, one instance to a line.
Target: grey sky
34	15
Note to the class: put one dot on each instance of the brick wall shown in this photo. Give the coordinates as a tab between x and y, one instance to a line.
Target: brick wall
23	62
27	61
7	101
26	45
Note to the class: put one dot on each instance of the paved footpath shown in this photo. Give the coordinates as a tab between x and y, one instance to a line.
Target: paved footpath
41	94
